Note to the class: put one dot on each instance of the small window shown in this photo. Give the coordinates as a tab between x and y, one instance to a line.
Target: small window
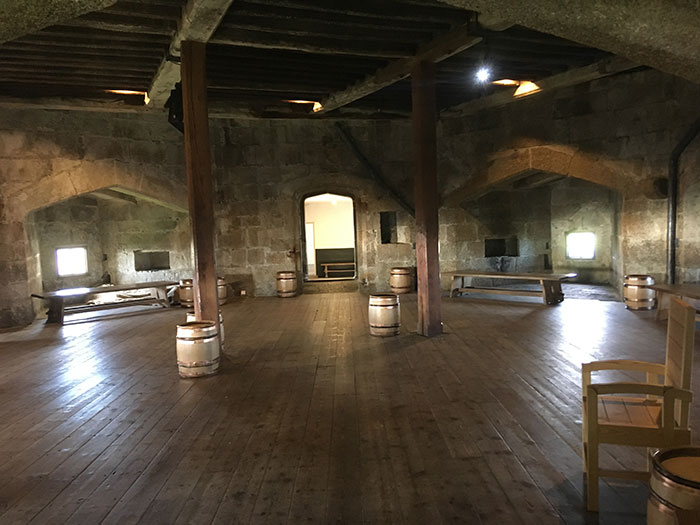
71	261
387	227
151	261
580	245
501	247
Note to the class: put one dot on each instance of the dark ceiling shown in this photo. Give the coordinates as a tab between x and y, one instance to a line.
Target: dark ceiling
265	52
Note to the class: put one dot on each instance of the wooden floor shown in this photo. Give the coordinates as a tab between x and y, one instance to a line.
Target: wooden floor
312	420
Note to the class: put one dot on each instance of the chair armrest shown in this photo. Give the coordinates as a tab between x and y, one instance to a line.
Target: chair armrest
668	393
625	364
639	388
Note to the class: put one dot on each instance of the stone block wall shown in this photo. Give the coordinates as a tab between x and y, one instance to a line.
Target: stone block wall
581	206
126	228
265	169
617	132
48	157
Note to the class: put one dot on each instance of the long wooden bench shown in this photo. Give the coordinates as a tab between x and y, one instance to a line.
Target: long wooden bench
57	300
550	284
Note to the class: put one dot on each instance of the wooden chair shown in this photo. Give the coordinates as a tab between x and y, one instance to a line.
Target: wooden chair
658	420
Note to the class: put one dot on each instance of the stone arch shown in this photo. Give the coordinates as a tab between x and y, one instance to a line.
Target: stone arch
508	166
80	178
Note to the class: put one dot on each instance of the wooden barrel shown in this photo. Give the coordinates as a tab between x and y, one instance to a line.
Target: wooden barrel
384	315
674	498
286	284
221	290
401	280
197	349
637	295
191	318
186	293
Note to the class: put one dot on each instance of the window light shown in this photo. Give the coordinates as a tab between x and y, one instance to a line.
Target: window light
71	261
580	245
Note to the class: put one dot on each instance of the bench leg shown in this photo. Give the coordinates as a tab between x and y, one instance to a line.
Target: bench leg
56	310
162	297
454	286
551	292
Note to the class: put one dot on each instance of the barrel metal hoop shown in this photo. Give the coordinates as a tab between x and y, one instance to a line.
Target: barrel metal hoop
196	364
669	454
193	340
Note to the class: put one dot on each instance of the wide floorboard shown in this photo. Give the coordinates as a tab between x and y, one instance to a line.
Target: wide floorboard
313	420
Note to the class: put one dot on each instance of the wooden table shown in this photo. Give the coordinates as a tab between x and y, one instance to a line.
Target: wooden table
550	283
57	299
684	291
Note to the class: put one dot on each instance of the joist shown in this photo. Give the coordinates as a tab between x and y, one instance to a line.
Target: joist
439	49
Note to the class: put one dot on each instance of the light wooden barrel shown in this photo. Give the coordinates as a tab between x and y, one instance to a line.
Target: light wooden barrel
221	290
191	319
384	315
286	284
674	498
637	295
401	280
186	293
197	349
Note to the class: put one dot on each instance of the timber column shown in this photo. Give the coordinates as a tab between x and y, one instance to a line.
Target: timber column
199	178
426	197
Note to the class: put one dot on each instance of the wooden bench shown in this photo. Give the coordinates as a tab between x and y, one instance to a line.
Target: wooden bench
550	284
338	267
57	300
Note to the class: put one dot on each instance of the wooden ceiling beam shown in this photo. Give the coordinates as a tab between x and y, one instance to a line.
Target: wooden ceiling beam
242	9
50	51
372	9
326	28
200	18
218	109
326	46
103	22
442	47
603	68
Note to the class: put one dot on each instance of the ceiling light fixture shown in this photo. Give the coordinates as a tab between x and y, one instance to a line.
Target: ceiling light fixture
483	74
146	98
316	105
526	88
506	82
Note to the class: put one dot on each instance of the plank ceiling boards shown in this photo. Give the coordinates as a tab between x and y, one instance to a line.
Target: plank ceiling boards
267	52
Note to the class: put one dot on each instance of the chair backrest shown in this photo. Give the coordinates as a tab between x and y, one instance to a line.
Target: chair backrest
680	344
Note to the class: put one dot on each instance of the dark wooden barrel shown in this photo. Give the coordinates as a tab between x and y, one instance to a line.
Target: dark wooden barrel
674	498
286	284
384	315
191	318
221	290
401	280
186	293
637	295
197	349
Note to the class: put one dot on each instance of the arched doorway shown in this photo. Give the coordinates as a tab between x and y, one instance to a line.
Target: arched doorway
329	238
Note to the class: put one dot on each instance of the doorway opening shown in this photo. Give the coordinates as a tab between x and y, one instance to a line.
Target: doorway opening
329	237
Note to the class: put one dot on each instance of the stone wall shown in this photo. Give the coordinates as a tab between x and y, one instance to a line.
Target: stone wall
688	228
265	169
126	228
50	156
75	222
617	132
581	206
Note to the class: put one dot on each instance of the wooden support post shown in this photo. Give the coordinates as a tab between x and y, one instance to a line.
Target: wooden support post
426	197
199	178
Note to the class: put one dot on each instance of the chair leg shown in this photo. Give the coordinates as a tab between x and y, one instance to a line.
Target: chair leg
592	473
